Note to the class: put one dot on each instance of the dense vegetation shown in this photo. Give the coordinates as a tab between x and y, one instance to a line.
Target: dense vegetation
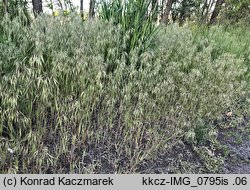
107	95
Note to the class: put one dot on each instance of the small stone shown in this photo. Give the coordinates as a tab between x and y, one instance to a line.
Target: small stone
10	150
229	114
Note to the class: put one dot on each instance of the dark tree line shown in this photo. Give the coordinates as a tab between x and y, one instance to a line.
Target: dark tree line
203	11
10	6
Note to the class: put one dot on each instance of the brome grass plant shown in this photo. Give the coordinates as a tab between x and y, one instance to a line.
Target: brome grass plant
63	111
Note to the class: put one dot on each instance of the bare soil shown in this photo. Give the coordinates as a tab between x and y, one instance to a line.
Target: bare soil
238	144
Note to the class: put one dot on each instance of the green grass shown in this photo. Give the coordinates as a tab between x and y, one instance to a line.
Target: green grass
235	40
64	111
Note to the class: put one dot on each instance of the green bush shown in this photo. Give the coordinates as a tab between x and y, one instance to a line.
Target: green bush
235	40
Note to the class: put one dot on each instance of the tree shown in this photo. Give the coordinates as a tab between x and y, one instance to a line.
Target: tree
81	8
60	4
165	17
216	11
183	11
37	7
91	8
206	9
5	6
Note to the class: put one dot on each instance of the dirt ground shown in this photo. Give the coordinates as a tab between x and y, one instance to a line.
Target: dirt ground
238	159
235	159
